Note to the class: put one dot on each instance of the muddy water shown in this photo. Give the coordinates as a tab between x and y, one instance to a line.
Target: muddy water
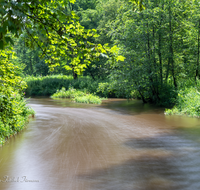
119	145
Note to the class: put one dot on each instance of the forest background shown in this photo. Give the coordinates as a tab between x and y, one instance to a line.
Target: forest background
145	49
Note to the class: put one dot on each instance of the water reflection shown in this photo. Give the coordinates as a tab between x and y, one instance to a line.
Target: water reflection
118	145
132	106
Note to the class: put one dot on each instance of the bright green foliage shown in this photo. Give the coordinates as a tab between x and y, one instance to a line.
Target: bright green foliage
13	109
88	99
77	96
54	28
154	46
70	93
138	4
30	61
188	103
98	15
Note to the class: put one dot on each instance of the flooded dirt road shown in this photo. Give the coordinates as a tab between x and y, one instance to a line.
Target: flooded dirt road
119	145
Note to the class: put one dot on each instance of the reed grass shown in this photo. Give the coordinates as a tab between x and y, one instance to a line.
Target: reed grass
78	96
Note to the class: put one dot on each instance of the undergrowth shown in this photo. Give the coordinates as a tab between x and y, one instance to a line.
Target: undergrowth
78	96
48	85
14	112
188	100
14	115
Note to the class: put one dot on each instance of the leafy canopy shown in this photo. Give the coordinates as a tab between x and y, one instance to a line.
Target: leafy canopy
54	28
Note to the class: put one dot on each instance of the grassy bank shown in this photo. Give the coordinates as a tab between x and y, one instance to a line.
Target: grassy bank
187	102
14	115
14	112
77	96
61	86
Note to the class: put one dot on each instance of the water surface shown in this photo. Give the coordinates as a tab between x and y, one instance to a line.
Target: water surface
118	145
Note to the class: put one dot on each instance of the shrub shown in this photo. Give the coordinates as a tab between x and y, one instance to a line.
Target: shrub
188	103
13	110
48	85
88	99
77	96
71	93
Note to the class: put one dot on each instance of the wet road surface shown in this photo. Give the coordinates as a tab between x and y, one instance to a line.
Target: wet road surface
117	146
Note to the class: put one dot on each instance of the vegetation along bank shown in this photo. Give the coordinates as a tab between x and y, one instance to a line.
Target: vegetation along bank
148	50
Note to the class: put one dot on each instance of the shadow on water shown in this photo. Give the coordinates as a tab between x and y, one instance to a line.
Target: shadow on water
132	107
164	162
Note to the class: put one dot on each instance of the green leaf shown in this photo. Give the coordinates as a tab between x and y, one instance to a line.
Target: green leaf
120	58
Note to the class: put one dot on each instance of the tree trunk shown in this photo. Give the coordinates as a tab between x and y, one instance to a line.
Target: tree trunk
74	74
154	61
153	89
171	51
159	50
198	51
143	99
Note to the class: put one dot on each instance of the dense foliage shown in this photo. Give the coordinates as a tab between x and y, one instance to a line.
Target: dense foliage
146	49
60	40
13	110
160	41
188	100
48	85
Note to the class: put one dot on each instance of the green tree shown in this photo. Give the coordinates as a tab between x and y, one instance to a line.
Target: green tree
54	27
13	110
161	46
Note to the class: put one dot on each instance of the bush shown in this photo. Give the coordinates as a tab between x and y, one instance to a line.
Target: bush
77	96
48	85
188	103
14	115
71	93
106	89
168	95
88	99
13	110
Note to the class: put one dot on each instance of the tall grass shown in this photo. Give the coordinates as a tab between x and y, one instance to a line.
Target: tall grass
188	100
77	96
71	93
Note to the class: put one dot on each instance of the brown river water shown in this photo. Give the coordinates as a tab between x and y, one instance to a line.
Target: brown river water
119	145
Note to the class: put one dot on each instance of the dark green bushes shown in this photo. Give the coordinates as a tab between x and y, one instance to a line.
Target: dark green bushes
48	85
